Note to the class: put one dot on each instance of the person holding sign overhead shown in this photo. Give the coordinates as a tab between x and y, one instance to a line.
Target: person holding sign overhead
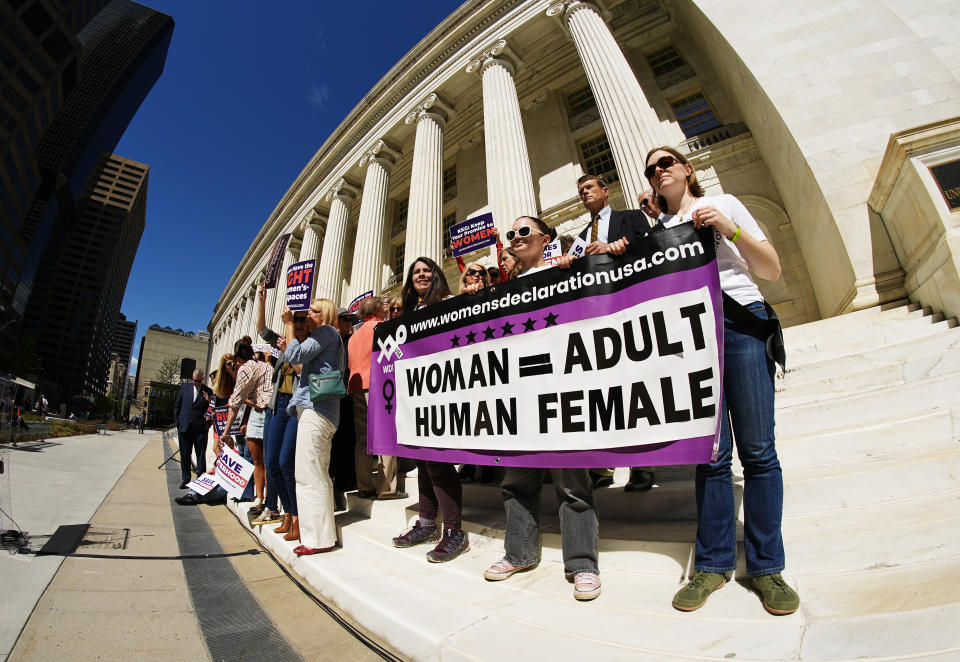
440	487
747	411
522	486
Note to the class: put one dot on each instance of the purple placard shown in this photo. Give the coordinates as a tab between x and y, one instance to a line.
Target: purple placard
300	285
355	304
472	234
276	257
613	362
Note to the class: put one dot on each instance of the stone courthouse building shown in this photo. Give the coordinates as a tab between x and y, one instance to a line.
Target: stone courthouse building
823	118
838	126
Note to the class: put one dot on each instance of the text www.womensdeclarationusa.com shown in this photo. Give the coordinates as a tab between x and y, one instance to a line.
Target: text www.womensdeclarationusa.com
570	284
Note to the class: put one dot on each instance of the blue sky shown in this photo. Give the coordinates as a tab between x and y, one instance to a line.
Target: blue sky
248	94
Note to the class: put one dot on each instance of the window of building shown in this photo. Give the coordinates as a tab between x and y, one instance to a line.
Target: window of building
398	259
694	114
665	60
581	100
450	183
597	158
400	217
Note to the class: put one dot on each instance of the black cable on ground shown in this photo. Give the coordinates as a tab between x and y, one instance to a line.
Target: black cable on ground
355	632
129	557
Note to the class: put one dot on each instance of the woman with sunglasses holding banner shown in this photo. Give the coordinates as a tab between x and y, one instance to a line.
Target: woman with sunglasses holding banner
747	403
438	482
522	486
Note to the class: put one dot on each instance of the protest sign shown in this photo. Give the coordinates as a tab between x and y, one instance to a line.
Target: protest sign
472	234
203	483
276	258
232	472
552	252
355	304
578	248
613	362
300	285
220	419
266	348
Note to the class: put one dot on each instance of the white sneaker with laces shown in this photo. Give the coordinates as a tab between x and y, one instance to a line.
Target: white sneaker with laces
586	585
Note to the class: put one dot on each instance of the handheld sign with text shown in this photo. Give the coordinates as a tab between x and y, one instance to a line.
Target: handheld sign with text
203	483
613	362
232	472
355	304
266	348
220	419
276	258
472	234
300	285
578	248
552	252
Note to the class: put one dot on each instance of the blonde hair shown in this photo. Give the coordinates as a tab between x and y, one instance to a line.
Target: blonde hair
484	279
223	385
327	310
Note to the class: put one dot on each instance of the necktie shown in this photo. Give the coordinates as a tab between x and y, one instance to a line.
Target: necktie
595	228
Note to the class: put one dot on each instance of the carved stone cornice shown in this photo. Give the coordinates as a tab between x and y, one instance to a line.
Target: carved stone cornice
381	152
433	106
342	190
499	53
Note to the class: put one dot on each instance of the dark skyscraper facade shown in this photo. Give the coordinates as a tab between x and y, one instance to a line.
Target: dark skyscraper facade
87	282
85	67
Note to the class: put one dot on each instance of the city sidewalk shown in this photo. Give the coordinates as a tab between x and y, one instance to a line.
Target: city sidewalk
45	485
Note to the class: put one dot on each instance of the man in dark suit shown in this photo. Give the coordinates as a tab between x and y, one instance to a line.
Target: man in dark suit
603	234
188	411
606	225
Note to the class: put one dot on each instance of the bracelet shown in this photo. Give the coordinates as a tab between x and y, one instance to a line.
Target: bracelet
736	235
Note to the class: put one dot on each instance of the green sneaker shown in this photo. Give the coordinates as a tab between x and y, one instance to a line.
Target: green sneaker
695	593
778	597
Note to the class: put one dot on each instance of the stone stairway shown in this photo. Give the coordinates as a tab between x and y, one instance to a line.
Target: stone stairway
868	419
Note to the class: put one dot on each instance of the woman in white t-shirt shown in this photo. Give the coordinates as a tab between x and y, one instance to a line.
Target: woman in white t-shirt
747	401
521	486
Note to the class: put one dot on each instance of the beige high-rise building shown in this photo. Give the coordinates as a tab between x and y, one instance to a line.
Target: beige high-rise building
159	344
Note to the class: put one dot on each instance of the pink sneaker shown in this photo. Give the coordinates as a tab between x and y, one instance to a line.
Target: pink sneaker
586	585
503	569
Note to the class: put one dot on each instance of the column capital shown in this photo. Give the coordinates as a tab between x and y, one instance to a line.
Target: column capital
433	106
563	9
382	152
343	190
252	290
316	220
499	53
294	245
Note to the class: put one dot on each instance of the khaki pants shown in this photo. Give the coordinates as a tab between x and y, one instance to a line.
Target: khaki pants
314	487
375	473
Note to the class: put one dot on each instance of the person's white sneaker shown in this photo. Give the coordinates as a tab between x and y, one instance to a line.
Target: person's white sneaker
586	585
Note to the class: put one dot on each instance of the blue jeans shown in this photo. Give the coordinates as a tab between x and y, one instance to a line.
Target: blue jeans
248	492
279	454
747	402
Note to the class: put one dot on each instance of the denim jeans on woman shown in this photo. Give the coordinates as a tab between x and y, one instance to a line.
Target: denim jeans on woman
747	402
280	454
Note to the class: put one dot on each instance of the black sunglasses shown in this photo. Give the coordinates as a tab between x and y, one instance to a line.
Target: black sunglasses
299	320
476	272
395	309
663	163
522	232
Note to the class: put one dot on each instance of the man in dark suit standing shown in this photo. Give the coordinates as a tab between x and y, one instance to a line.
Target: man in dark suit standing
188	411
607	226
603	234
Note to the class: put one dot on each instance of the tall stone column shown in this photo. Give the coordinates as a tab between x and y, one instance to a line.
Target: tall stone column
510	190
425	208
249	323
290	255
330	272
312	233
631	125
368	247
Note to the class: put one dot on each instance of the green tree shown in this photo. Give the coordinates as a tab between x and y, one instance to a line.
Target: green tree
169	372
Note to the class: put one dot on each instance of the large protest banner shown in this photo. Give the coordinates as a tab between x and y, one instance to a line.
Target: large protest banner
472	234
300	285
273	265
613	362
